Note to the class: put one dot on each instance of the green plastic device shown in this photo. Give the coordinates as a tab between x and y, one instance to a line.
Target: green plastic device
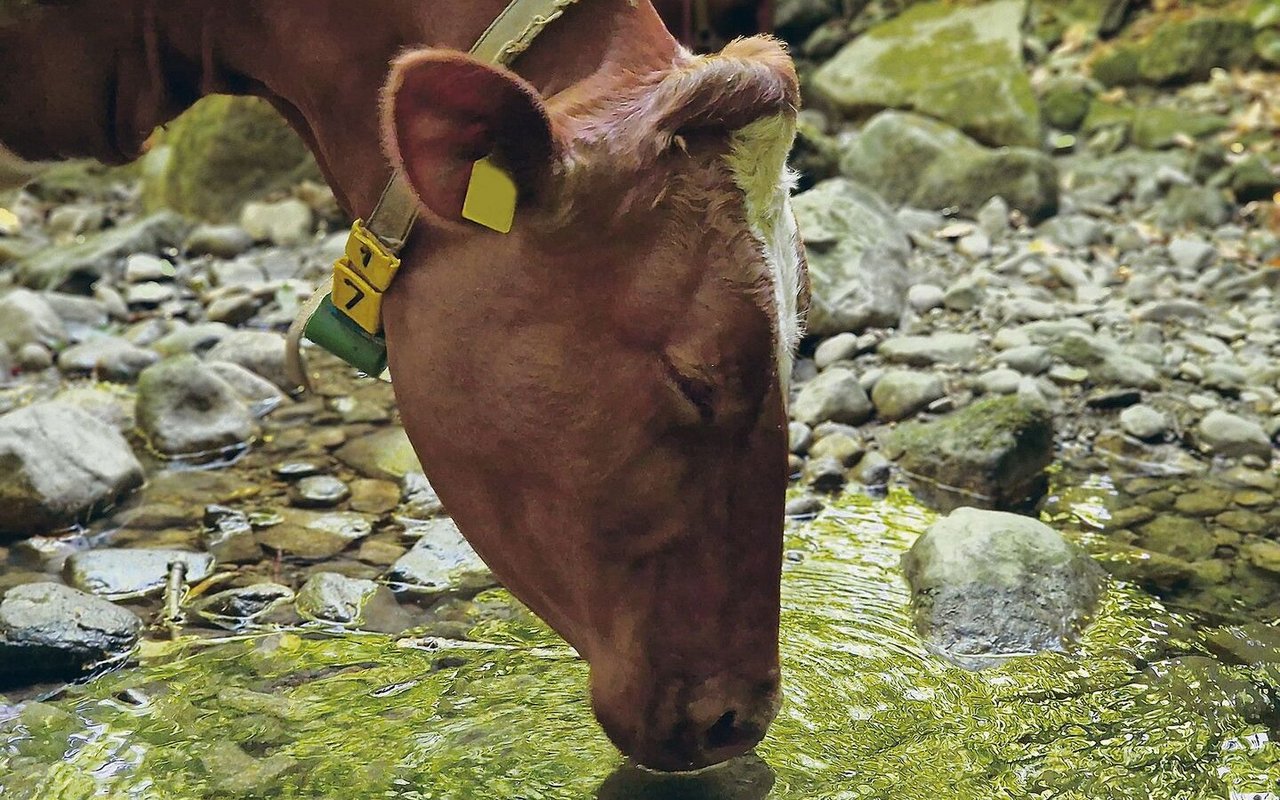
340	335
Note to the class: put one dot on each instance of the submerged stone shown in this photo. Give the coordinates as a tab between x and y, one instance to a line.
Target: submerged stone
988	583
118	573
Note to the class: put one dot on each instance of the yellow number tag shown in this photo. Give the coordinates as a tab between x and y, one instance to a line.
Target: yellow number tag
491	197
354	297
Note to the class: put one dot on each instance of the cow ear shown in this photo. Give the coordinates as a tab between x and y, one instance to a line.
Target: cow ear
443	110
748	80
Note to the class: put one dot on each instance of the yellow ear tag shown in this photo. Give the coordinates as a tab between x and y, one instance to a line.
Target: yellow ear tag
491	197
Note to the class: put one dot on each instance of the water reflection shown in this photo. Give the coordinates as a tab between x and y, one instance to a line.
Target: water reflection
746	778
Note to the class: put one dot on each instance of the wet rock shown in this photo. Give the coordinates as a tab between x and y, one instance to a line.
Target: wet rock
857	254
318	491
131	572
987	583
234	609
49	631
827	475
191	339
58	464
804	507
76	267
1000	381
111	405
908	63
1265	555
229	535
1185	51
440	562
261	352
841	347
107	357
185	409
330	597
992	453
1181	537
1245	645
26	318
842	447
901	393
418	498
220	241
835	395
1027	359
223	151
370	496
385	454
1144	422
910	159
34	357
923	351
315	535
261	394
284	223
1203	501
1228	435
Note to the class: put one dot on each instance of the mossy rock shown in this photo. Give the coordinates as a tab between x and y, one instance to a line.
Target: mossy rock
1117	66
1065	104
1183	52
1103	115
223	152
991	454
911	159
1157	128
936	59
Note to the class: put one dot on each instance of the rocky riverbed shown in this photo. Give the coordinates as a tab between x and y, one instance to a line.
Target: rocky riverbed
1045	249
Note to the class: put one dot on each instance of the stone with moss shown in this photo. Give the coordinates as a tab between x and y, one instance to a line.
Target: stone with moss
1065	103
960	64
912	159
223	152
1155	128
1186	51
991	454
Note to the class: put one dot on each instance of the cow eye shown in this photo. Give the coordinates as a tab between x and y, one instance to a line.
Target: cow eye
698	394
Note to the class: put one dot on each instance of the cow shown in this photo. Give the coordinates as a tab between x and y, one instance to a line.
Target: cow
598	395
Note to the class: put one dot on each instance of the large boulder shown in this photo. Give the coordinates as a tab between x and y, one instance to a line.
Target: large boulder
857	253
936	59
991	454
912	159
185	409
222	152
49	631
988	583
58	465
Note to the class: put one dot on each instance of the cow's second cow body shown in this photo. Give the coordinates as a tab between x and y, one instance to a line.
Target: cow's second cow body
598	396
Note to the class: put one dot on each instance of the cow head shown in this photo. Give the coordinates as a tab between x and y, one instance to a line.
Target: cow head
602	403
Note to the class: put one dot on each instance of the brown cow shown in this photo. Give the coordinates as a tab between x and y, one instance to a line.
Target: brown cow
598	396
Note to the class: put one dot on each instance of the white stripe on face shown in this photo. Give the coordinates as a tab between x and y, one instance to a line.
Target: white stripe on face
758	160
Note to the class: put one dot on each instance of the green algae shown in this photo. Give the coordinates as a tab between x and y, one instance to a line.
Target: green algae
1140	710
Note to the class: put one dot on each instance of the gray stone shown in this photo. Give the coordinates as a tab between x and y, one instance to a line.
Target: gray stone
186	410
220	241
261	394
111	405
233	310
106	357
923	351
385	454
131	572
1193	206
58	465
901	393
1191	255
1228	435
149	294
238	608
191	339
988	583
257	351
1105	361
285	222
143	267
857	254
836	395
840	347
83	316
1144	422
418	498
319	491
992	453
440	562
78	266
315	535
1027	359
925	297
229	536
910	63
50	632
330	597
1072	230
26	317
1000	381
915	160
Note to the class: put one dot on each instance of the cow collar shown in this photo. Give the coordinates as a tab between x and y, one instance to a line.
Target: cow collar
345	316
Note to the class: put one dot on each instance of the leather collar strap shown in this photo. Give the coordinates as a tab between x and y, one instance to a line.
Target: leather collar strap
392	219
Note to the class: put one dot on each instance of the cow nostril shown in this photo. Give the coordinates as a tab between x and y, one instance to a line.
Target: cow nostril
723	732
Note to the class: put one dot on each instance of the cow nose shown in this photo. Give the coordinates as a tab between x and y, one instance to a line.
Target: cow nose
700	726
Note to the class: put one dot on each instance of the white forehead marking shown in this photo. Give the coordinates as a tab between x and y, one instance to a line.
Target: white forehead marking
758	159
